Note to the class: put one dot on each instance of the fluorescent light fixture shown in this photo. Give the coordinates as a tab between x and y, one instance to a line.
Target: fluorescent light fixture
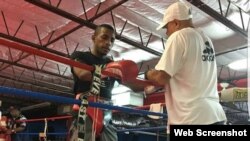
121	99
238	65
128	98
120	89
224	85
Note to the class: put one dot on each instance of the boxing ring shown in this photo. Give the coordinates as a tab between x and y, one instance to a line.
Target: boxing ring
66	100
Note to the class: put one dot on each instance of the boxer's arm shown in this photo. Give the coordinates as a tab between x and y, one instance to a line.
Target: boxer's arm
136	87
18	129
82	74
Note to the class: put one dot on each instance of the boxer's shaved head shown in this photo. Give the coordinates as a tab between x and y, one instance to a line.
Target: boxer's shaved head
107	26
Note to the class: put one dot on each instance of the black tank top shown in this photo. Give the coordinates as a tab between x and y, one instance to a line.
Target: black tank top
88	58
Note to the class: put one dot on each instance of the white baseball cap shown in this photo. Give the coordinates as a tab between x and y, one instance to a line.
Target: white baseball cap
178	11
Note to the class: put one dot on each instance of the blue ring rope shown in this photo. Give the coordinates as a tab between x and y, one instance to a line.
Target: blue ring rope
66	100
39	133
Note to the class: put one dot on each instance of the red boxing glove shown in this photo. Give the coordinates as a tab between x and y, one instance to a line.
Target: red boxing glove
125	70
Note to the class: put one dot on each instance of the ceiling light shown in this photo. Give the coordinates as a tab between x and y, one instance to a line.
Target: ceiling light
224	85
120	89
238	65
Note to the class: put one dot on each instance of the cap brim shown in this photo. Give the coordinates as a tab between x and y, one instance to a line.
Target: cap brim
160	26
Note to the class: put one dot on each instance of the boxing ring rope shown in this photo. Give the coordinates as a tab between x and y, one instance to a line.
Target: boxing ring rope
60	59
48	119
65	100
70	62
44	54
46	133
160	128
67	117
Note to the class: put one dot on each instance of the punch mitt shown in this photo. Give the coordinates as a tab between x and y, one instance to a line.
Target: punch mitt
125	70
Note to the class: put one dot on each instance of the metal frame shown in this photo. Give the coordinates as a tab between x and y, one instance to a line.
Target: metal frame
91	25
219	16
44	47
88	22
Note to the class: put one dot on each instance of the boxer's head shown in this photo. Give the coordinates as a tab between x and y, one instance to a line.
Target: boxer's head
103	40
14	111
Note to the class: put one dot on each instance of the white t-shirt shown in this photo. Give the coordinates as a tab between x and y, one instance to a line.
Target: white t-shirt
189	59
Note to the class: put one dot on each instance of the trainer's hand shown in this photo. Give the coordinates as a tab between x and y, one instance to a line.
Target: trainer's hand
148	74
149	89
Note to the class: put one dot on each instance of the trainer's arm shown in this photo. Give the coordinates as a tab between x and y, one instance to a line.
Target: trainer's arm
158	76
